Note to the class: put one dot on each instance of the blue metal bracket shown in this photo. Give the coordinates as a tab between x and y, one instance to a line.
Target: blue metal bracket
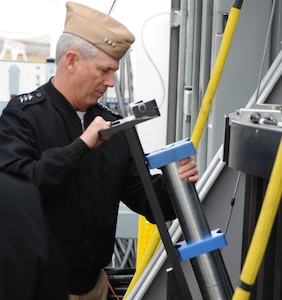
190	250
170	153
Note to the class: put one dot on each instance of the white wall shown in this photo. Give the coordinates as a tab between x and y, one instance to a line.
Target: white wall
148	21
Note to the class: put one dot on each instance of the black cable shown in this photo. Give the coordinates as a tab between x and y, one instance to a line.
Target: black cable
232	202
112	7
265	48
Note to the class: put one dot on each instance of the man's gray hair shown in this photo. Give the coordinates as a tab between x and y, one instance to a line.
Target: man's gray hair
68	41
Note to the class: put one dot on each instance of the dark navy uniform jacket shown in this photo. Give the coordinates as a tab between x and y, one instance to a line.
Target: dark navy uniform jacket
32	265
81	188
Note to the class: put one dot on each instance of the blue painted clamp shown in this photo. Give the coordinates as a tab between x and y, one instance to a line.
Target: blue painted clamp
190	250
170	153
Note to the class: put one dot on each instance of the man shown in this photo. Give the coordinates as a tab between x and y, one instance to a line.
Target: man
32	265
52	135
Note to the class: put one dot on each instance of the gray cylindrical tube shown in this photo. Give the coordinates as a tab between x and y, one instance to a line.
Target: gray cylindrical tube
209	268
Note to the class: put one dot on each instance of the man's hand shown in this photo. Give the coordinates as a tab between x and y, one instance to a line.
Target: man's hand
91	135
188	170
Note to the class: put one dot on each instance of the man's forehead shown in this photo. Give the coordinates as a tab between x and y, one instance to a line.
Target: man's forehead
105	61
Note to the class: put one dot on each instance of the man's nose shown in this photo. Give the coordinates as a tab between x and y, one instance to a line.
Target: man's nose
110	81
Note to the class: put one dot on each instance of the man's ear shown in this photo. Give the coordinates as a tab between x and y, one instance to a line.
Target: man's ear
72	58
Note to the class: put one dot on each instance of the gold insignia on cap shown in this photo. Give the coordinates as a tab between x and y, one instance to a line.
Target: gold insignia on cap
99	29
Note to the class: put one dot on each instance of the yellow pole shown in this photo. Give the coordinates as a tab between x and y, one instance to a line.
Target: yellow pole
262	231
150	250
215	76
145	231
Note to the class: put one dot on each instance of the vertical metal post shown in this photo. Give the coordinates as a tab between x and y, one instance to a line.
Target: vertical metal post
209	268
173	70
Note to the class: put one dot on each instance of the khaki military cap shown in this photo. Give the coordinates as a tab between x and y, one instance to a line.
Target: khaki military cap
99	29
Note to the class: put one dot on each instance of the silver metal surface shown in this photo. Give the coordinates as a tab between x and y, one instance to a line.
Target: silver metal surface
209	268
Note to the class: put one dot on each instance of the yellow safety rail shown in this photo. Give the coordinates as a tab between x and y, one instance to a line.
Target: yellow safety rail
215	76
262	231
145	232
147	255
